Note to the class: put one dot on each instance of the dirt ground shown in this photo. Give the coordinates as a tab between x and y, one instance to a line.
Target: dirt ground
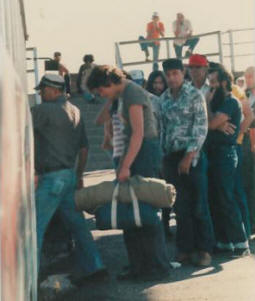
225	280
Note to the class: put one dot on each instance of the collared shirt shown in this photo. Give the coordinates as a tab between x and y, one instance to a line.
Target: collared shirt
153	32
184	122
185	29
59	134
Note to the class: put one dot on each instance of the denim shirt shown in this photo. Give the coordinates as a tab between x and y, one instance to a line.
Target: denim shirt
183	120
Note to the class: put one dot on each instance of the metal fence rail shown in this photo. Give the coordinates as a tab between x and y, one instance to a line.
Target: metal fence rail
167	41
220	53
232	43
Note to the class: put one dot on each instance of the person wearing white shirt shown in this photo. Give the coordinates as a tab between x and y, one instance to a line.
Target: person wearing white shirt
182	29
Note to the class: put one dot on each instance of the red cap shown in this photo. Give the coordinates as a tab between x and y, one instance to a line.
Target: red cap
198	60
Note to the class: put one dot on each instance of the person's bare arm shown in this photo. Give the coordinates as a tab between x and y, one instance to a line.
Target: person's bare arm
218	120
226	127
161	29
136	120
185	164
62	70
252	139
104	114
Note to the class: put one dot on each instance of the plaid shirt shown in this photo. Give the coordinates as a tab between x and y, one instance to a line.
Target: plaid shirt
183	121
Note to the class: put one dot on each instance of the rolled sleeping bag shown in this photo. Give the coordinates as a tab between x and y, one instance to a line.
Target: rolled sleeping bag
152	191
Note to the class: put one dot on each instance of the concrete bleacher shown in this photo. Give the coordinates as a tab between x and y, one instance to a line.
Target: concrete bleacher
98	159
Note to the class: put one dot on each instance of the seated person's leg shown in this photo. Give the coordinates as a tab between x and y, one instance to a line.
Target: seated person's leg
155	49
191	43
178	51
144	47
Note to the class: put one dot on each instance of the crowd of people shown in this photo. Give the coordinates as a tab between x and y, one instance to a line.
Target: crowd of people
202	118
190	125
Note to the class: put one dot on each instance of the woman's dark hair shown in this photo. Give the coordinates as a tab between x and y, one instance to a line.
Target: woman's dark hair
217	100
153	75
88	58
104	76
222	74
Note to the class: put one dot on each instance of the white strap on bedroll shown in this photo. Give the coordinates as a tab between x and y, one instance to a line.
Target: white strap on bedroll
137	216
114	206
135	203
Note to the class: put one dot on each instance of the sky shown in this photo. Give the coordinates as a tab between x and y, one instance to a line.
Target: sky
78	27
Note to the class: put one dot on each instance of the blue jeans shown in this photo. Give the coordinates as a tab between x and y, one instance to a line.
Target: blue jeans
240	193
146	247
56	191
155	51
194	224
191	43
227	219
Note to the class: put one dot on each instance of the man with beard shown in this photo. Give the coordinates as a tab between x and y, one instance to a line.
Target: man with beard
222	157
183	131
228	128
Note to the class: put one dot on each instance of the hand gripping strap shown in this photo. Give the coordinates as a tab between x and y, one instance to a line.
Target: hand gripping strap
135	204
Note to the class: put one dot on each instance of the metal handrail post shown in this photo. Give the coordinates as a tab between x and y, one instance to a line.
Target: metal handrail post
117	56
36	71
167	49
220	47
232	52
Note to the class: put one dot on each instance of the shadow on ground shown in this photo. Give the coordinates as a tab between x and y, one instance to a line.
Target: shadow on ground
111	246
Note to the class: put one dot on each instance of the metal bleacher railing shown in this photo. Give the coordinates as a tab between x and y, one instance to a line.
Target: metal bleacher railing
219	54
233	43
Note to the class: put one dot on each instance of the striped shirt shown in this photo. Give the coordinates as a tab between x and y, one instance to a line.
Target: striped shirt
118	140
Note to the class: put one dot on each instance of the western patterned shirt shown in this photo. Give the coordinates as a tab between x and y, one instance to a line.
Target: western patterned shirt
183	120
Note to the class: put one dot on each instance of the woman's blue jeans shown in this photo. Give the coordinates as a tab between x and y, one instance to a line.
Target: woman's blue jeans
146	247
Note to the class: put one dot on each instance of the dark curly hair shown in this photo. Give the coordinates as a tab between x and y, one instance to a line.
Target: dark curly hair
153	75
222	74
104	76
88	58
